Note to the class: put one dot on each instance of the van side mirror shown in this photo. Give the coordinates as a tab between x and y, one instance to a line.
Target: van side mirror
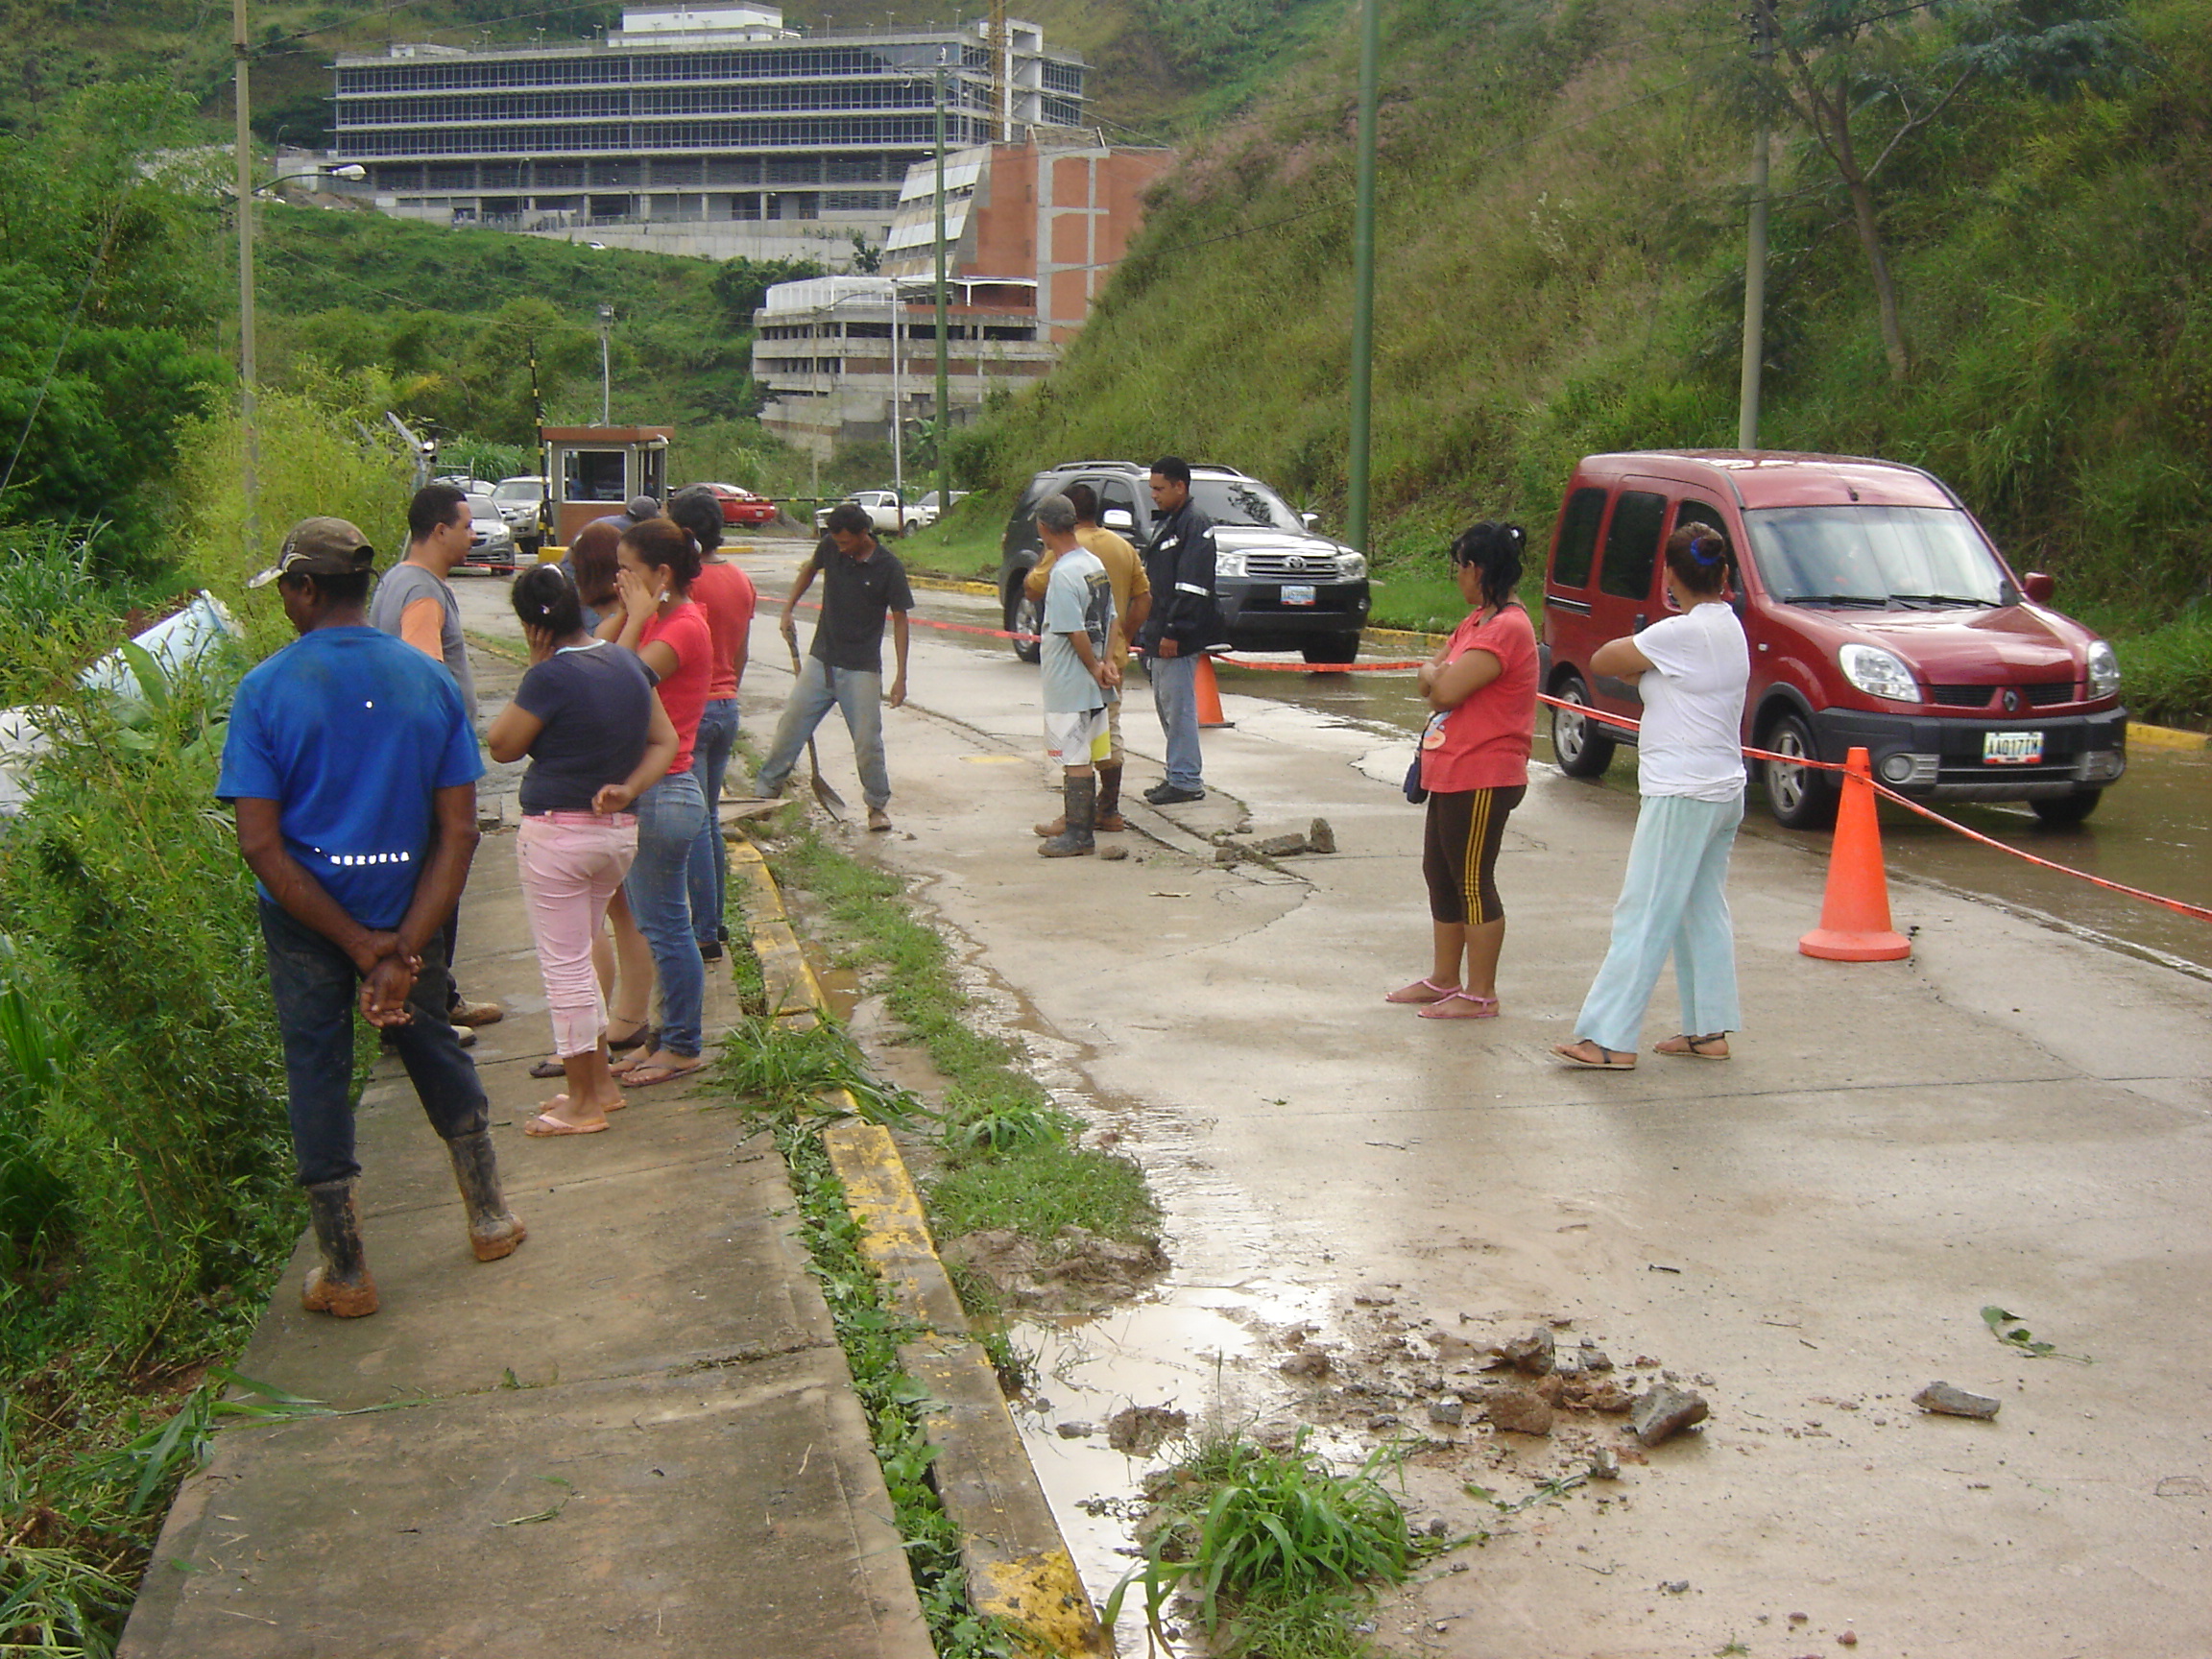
2040	586
1310	519
1118	518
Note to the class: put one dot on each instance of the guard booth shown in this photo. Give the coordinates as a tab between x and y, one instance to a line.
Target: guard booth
594	469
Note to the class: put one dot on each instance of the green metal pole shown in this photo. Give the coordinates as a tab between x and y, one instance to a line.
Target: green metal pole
249	365
1749	375
944	358
1364	277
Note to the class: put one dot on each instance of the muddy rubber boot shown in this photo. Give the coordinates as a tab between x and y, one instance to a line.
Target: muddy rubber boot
341	1286
494	1231
1074	841
1109	817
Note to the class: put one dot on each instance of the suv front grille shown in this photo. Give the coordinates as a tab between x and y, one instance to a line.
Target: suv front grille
1290	566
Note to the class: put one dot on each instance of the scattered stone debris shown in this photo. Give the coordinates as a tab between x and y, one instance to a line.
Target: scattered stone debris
1517	1411
1320	837
1606	1464
1074	1430
1283	846
1110	851
1675	1586
1849	1639
1950	1402
1594	1357
1665	1413
1381	1421
1438	1528
1448	1410
1139	1430
1308	1363
1077	1270
1533	1352
1374	1296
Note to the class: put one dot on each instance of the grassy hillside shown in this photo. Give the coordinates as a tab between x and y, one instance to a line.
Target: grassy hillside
1561	265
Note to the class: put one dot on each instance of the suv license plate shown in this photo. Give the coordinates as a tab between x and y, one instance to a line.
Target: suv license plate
1301	594
2011	748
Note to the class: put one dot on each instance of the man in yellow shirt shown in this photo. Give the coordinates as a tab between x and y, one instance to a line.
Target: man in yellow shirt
1132	604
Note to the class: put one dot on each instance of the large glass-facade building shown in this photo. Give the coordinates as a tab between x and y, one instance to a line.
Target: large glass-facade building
692	114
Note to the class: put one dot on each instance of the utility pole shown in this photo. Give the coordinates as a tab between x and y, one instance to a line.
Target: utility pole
898	397
1760	18
1363	278
943	359
249	367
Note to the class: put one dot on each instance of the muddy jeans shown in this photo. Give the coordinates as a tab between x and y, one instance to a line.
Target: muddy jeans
315	985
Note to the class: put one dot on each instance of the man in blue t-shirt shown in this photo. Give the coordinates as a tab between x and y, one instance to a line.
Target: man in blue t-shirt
353	766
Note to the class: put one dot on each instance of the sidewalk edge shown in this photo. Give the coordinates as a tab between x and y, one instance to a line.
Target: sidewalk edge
1019	1565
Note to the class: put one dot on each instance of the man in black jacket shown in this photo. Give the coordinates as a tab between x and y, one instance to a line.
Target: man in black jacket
1185	620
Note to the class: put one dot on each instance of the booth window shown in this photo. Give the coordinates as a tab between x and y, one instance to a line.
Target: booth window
594	476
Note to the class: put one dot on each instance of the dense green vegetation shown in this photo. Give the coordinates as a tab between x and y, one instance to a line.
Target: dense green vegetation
1561	267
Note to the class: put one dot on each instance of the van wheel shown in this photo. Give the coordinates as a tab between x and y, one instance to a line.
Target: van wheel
2064	811
1576	743
1800	797
1025	615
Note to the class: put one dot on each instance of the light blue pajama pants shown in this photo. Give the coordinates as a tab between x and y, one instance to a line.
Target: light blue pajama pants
1671	903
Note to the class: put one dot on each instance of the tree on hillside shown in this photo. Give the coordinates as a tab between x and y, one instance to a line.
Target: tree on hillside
1865	75
742	284
111	287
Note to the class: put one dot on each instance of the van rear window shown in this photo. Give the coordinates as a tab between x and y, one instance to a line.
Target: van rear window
1632	545
1578	538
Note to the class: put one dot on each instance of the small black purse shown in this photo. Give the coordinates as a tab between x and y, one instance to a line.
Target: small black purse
1414	792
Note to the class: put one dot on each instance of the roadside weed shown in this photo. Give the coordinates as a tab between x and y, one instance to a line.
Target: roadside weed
784	1072
1272	1550
2008	1329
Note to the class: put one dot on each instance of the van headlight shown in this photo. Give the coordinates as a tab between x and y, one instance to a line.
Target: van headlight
2104	670
1229	564
1351	567
1878	673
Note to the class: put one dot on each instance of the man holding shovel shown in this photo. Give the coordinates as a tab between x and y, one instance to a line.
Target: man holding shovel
861	582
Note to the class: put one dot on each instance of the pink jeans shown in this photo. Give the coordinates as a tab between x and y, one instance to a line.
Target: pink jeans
571	863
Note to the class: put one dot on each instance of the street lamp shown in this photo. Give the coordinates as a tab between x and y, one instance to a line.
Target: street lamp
606	382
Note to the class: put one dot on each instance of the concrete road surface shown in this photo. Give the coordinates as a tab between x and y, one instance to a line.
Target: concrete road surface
1806	1233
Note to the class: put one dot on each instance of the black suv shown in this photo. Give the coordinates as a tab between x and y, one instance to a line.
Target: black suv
1281	586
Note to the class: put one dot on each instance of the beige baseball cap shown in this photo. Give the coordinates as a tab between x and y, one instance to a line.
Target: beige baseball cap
319	547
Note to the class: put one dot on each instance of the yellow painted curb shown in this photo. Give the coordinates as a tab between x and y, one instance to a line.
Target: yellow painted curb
951	584
2143	736
1017	1565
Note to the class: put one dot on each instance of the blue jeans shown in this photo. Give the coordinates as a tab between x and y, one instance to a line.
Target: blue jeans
710	865
315	985
820	688
1671	903
1175	697
670	815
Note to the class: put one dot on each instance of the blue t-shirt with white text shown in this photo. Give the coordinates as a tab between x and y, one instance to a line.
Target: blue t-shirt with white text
351	732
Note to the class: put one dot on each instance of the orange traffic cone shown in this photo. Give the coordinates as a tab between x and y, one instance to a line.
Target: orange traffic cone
1855	912
1209	696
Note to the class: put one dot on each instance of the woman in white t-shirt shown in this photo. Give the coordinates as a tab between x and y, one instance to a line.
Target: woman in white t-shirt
1692	671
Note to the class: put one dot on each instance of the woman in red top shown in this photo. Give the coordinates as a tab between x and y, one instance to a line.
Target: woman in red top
726	595
1482	688
656	561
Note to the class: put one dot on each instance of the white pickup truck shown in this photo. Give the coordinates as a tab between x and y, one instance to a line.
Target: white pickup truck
885	510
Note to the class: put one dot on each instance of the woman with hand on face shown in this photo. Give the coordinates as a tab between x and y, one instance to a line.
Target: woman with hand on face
1481	689
597	739
655	562
1692	671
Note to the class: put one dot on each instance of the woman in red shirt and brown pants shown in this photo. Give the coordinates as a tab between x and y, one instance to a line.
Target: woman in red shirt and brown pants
1481	690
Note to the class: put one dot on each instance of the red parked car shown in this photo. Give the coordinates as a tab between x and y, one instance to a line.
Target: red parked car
741	506
1880	617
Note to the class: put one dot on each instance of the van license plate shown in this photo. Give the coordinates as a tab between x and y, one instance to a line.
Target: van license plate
2011	748
1301	594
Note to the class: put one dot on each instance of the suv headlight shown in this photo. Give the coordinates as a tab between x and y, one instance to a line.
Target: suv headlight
2104	669
1351	568
1878	673
1230	565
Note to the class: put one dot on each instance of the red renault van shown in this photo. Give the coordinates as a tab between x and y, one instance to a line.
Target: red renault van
1880	617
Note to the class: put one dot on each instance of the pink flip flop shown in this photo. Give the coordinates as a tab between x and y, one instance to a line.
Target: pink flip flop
1412	993
543	1127
1448	1008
